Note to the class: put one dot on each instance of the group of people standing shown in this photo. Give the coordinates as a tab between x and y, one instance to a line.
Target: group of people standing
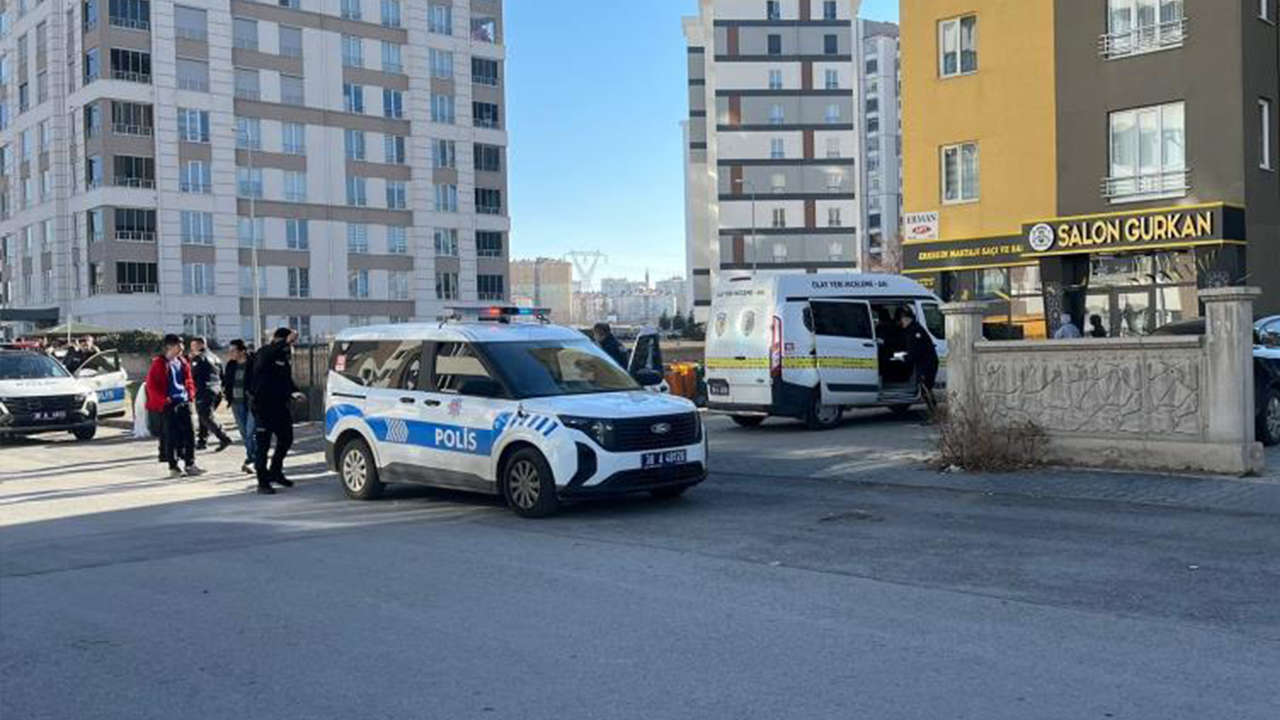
257	386
1069	331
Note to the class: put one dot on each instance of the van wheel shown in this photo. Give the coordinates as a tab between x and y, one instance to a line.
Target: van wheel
85	434
822	417
358	472
529	486
747	421
1269	418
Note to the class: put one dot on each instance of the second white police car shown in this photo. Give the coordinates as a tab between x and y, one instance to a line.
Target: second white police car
534	413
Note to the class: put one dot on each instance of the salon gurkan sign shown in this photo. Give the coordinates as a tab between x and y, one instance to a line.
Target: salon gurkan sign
1111	233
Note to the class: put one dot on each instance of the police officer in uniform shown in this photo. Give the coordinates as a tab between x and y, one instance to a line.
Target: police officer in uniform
272	391
923	355
206	370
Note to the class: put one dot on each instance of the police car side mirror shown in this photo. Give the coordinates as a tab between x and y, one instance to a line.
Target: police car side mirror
648	378
86	373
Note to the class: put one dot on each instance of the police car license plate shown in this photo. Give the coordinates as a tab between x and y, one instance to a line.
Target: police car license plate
46	416
663	459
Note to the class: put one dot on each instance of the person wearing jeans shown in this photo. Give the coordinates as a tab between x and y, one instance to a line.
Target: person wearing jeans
235	388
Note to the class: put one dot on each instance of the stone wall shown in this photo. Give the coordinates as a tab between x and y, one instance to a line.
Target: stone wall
1157	403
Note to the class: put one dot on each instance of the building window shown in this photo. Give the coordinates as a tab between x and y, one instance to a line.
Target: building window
775	79
299	282
249	183
488	158
490	287
1264	10
193	125
350	10
960	173
131	65
244	34
297	235
132	225
353	142
391	57
833	148
300	324
197	228
251	232
137	277
777	115
197	279
489	244
205	326
290	41
393	150
398	285
188	23
958	46
131	14
129	118
135	172
352	51
1148	154
444	154
293	138
353	98
246	283
397	195
484	29
440	19
357	238
193	75
391	13
833	79
446	242
488	201
357	191
773	10
1138	26
447	198
358	284
777	149
392	103
295	186
248	133
442	109
829	10
247	86
292	90
833	217
779	217
484	71
775	45
397	240
446	286
486	115
440	63
1264	134
831	44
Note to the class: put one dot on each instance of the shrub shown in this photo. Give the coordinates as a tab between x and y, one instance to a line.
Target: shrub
972	439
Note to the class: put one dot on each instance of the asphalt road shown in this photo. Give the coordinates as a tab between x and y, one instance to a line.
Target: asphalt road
813	576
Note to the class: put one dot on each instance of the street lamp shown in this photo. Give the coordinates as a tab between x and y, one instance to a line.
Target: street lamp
253	239
747	184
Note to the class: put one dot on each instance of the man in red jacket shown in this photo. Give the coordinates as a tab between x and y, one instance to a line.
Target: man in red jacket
170	391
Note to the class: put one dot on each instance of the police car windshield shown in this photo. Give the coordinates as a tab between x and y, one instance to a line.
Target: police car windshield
29	366
547	369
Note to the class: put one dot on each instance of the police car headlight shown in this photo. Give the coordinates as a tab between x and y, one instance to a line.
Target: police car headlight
597	429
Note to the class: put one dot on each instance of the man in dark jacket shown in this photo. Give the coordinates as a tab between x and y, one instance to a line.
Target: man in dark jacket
609	344
271	392
235	388
923	354
206	370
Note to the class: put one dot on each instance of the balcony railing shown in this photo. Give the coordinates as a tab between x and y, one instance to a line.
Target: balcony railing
193	84
144	236
131	129
197	188
134	182
137	288
1143	39
1132	188
248	94
130	23
131	76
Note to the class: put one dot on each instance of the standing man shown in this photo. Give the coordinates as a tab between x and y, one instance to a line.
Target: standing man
169	392
1068	330
609	344
235	387
206	369
271	390
923	354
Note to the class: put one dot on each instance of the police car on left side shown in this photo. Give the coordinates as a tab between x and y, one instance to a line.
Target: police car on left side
533	413
39	395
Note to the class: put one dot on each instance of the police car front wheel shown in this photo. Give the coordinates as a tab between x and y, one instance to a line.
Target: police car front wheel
358	472
529	486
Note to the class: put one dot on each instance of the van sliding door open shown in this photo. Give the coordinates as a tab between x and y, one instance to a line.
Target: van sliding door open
845	352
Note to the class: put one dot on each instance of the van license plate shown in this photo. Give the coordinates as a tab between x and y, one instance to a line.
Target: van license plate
47	416
718	387
663	459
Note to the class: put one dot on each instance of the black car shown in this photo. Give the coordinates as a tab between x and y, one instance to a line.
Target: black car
1266	378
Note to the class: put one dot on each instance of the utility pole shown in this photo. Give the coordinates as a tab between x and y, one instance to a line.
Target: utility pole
586	262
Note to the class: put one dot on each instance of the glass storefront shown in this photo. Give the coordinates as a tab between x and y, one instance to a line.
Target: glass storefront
1017	303
1133	294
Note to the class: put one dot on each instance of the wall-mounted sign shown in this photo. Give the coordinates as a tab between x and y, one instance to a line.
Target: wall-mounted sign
921	257
920	226
1117	232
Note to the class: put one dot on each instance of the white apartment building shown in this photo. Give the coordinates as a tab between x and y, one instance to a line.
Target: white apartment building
148	148
881	134
772	143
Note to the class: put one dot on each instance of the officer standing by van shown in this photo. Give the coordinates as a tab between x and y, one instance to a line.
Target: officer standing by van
923	354
271	392
604	338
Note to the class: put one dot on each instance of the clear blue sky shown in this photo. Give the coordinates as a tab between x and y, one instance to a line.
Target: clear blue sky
595	101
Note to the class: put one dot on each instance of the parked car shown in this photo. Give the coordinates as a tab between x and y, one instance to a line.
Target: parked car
38	395
1266	373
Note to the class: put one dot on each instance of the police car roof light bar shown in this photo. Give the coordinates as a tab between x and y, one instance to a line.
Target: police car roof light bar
497	313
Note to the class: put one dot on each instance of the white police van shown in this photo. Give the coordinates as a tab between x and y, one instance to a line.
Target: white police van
809	346
531	412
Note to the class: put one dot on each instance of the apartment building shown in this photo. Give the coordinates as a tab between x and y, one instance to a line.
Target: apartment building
1105	158
544	283
880	130
154	153
771	142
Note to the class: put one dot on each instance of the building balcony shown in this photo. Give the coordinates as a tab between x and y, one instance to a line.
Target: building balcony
1148	38
137	288
131	129
130	23
1149	186
139	236
134	182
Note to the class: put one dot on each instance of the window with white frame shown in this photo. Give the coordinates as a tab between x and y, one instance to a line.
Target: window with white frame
357	238
250	232
960	177
397	195
442	109
392	103
205	326
352	51
446	242
1264	134
351	10
197	227
778	182
297	234
195	177
446	286
353	142
833	79
392	61
398	285
1148	154
358	284
779	217
440	19
775	79
353	98
248	133
295	186
1138	26
246	282
193	125
958	46
391	13
299	282
393	149
1264	10
441	63
300	324
249	182
777	148
447	198
444	154
777	115
197	279
293	138
397	240
357	191
833	217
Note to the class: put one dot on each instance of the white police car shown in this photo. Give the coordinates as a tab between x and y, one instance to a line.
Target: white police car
531	412
38	395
